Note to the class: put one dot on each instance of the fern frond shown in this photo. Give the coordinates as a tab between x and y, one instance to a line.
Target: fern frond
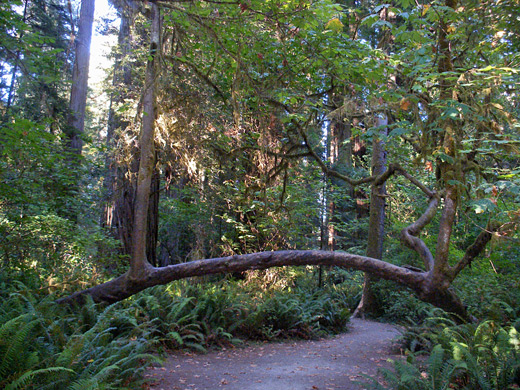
14	334
85	384
435	365
23	381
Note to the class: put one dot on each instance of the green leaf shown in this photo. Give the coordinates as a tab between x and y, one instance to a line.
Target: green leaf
399	131
483	205
445	158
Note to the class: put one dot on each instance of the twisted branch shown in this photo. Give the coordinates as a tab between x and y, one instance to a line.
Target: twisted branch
410	233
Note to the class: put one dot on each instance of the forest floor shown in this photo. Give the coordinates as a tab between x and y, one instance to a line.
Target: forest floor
328	364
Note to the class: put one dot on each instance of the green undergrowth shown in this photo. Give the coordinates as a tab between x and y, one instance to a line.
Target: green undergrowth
475	356
47	346
199	316
442	353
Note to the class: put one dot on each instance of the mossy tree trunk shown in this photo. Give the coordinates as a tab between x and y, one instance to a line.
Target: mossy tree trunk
376	231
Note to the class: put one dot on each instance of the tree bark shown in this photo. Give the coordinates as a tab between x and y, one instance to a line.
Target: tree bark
138	261
79	89
127	285
376	231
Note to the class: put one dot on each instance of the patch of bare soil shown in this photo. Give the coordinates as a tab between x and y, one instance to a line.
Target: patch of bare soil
329	364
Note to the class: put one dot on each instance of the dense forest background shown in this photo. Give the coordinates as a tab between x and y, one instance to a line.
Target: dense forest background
338	136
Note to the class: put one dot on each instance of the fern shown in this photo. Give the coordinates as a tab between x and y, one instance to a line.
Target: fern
85	384
13	347
24	380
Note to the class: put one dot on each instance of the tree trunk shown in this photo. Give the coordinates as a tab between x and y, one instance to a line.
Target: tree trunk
128	284
121	82
340	157
153	218
368	304
120	181
78	93
138	262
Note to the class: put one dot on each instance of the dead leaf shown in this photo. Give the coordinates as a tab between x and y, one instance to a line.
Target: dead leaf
404	104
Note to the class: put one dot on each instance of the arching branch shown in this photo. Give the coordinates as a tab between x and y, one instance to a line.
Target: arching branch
125	286
475	249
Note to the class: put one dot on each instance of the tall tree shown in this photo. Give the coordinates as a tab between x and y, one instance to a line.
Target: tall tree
122	159
138	262
79	88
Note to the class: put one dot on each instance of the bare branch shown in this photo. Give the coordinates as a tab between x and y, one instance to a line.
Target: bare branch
329	172
409	234
412	180
125	286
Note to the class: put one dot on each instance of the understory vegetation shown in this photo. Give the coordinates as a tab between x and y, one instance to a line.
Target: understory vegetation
441	353
47	346
44	345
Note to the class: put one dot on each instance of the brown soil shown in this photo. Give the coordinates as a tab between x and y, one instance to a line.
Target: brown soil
335	363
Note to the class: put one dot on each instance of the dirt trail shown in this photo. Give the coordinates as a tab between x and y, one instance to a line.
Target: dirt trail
303	365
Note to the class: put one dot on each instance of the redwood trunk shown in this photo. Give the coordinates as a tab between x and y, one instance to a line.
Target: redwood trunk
78	94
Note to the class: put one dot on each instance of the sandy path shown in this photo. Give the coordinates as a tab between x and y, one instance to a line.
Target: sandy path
303	365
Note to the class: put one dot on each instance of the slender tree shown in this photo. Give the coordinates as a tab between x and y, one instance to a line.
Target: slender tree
376	230
138	262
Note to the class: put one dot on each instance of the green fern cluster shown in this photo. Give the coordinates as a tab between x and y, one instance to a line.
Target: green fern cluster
47	346
199	316
483	356
297	313
44	346
440	372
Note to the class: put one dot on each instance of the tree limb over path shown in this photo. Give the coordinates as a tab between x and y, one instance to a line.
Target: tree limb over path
131	283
